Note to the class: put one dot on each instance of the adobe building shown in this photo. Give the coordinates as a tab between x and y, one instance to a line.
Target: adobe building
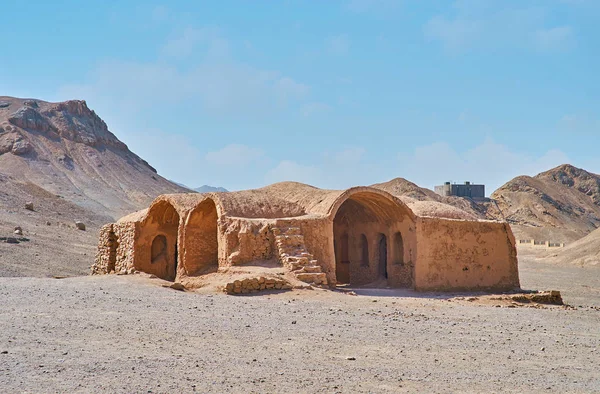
361	236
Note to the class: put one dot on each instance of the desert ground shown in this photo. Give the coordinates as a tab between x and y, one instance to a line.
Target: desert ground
130	334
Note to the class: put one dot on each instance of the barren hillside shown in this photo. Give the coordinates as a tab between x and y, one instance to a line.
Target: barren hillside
68	150
63	159
563	202
426	202
583	252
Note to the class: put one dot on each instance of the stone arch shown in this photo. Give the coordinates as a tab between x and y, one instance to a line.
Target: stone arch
365	215
200	241
158	236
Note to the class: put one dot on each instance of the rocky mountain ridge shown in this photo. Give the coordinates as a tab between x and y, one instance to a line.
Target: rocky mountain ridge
67	149
565	199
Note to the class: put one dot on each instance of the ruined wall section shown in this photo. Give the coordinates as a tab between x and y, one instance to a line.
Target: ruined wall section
318	239
244	240
126	235
457	255
107	248
116	248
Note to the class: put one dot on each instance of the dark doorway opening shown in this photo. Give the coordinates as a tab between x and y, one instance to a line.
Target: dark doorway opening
383	256
342	268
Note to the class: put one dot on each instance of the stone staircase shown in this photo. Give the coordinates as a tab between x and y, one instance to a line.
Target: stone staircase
294	256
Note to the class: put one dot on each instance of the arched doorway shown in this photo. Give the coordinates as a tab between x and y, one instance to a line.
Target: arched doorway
365	223
342	252
356	227
159	235
201	248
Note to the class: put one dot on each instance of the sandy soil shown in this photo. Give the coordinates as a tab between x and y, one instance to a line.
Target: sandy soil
129	334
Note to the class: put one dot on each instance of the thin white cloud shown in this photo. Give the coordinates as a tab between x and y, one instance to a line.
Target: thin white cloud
183	43
221	88
360	6
349	155
454	34
315	108
288	170
580	123
488	24
557	38
234	155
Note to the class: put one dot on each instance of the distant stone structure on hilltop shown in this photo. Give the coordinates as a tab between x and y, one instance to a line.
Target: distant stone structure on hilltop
467	189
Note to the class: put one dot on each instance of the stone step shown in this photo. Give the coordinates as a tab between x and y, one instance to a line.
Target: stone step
297	259
291	231
311	269
286	239
286	230
315	278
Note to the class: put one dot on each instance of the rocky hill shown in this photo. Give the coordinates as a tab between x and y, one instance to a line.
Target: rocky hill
62	158
66	149
210	189
563	203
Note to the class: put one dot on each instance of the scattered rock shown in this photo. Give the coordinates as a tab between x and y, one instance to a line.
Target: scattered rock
552	297
21	147
4	104
18	230
29	206
351	358
11	240
48	223
80	225
177	286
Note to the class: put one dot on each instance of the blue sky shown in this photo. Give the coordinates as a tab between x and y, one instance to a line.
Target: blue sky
241	94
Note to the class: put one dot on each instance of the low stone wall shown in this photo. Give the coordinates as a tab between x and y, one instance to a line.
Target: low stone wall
253	285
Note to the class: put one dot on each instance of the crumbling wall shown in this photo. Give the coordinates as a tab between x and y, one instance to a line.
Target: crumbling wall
106	253
318	239
116	248
126	235
245	240
465	255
